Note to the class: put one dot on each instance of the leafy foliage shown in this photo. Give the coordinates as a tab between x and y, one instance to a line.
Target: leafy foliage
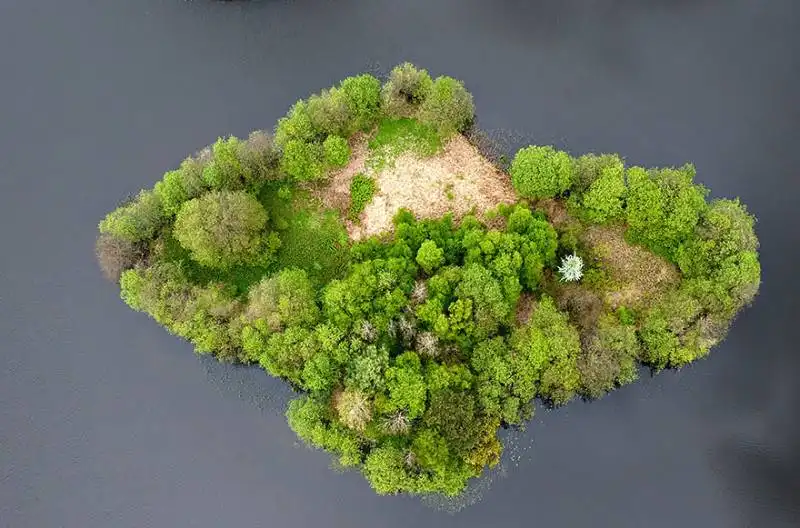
412	348
541	172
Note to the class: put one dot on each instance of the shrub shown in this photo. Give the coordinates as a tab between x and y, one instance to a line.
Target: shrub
541	172
406	89
362	189
115	255
430	256
223	228
363	96
137	220
448	108
336	151
302	161
571	269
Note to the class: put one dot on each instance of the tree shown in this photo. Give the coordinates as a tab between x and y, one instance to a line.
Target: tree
387	470
591	167
284	299
406	385
171	192
354	408
608	357
605	197
302	161
329	112
223	228
363	96
430	256
448	107
226	171
296	125
406	89
136	220
541	172
336	151
260	157
115	255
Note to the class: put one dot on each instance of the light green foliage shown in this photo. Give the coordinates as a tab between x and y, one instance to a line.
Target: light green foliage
548	347
225	170
136	220
302	161
406	89
336	151
296	125
406	385
605	197
363	96
541	172
448	108
362	189
430	256
663	207
223	228
282	300
413	348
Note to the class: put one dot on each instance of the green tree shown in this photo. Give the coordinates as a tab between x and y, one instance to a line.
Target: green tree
430	256
336	151
387	470
406	385
363	96
406	89
136	220
605	197
541	172
448	107
329	112
171	192
302	161
284	299
296	125
225	171
224	228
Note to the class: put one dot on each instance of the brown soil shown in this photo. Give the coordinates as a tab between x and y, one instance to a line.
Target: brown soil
637	273
457	179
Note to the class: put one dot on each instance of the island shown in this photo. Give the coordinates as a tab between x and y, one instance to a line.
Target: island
419	288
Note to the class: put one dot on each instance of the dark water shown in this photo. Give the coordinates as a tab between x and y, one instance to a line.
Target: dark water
107	421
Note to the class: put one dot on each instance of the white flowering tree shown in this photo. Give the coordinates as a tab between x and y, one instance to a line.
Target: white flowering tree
571	269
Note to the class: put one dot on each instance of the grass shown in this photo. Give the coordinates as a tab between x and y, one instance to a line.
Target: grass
312	238
395	136
362	189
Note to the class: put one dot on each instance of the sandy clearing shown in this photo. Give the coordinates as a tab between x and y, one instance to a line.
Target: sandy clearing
457	179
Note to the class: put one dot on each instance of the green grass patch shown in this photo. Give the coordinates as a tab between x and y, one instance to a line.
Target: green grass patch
312	238
362	189
395	136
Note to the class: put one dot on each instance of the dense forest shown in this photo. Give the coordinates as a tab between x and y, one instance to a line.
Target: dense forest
410	349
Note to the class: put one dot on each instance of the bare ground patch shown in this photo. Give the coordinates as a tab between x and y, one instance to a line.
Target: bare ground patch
457	180
637	273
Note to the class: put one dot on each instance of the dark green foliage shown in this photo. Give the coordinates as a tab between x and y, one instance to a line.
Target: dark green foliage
136	220
448	108
541	172
362	189
406	89
412	348
223	228
336	151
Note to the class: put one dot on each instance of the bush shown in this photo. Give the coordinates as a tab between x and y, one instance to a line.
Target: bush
302	161
448	108
115	255
541	172
363	96
224	228
336	151
362	189
406	89
137	220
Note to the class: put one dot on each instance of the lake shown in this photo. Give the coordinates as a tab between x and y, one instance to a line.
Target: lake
108	421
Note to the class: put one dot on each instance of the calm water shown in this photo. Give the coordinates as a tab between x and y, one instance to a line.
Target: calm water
107	421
